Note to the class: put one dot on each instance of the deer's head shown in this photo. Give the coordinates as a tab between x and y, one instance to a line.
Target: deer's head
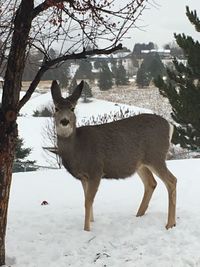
65	119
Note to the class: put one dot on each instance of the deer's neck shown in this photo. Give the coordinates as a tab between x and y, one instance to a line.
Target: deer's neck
66	145
67	148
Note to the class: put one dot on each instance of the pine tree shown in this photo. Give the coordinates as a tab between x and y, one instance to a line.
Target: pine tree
86	92
97	64
121	76
150	68
64	75
85	70
113	67
21	152
105	77
20	162
142	78
182	88
156	67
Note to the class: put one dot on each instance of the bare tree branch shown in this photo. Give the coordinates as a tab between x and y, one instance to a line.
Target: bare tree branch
47	4
46	65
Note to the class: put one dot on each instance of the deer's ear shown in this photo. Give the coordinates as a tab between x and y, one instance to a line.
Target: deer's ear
55	92
76	93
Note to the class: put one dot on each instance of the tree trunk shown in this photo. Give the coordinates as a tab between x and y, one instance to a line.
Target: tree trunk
8	134
9	109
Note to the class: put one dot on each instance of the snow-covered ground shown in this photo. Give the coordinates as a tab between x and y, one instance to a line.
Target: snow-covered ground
52	235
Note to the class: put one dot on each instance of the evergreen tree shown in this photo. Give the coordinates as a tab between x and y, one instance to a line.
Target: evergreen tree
105	77
85	70
21	152
150	68
63	78
97	64
86	92
20	162
142	78
113	67
121	77
61	74
182	88
156	67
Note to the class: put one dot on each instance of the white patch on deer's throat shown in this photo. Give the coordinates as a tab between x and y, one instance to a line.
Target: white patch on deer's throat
64	131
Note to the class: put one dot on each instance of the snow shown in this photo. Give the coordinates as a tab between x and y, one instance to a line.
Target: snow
22	93
94	107
36	103
52	235
31	129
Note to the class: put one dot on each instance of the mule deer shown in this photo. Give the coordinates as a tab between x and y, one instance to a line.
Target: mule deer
114	150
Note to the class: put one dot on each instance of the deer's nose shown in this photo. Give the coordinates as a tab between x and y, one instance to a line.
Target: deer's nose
64	122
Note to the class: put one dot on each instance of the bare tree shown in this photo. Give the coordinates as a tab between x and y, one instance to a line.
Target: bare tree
71	25
50	141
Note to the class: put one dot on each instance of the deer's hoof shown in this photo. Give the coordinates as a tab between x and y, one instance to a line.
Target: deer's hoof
139	214
86	228
170	225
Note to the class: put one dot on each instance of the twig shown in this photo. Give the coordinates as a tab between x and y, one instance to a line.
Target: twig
91	239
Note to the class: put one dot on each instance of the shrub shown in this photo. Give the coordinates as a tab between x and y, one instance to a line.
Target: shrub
45	112
108	117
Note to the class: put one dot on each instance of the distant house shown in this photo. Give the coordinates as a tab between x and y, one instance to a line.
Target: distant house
126	59
163	53
165	56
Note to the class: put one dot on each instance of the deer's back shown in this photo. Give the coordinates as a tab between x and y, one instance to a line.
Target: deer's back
120	147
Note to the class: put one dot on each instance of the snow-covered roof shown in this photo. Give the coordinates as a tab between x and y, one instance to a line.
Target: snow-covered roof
165	51
115	56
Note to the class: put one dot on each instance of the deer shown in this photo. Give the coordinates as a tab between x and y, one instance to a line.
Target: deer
114	150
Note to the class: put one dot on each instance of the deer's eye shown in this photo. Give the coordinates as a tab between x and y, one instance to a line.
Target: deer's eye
72	109
56	109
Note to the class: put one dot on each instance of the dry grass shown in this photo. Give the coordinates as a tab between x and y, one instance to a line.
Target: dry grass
149	98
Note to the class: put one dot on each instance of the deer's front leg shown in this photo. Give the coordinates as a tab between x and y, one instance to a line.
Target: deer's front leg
92	187
85	188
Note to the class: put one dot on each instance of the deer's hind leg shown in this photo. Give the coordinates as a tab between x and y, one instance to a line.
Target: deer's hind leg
149	186
170	181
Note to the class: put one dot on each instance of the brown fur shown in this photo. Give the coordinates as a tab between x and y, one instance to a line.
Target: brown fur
114	150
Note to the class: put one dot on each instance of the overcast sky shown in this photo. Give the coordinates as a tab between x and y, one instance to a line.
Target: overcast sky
161	22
